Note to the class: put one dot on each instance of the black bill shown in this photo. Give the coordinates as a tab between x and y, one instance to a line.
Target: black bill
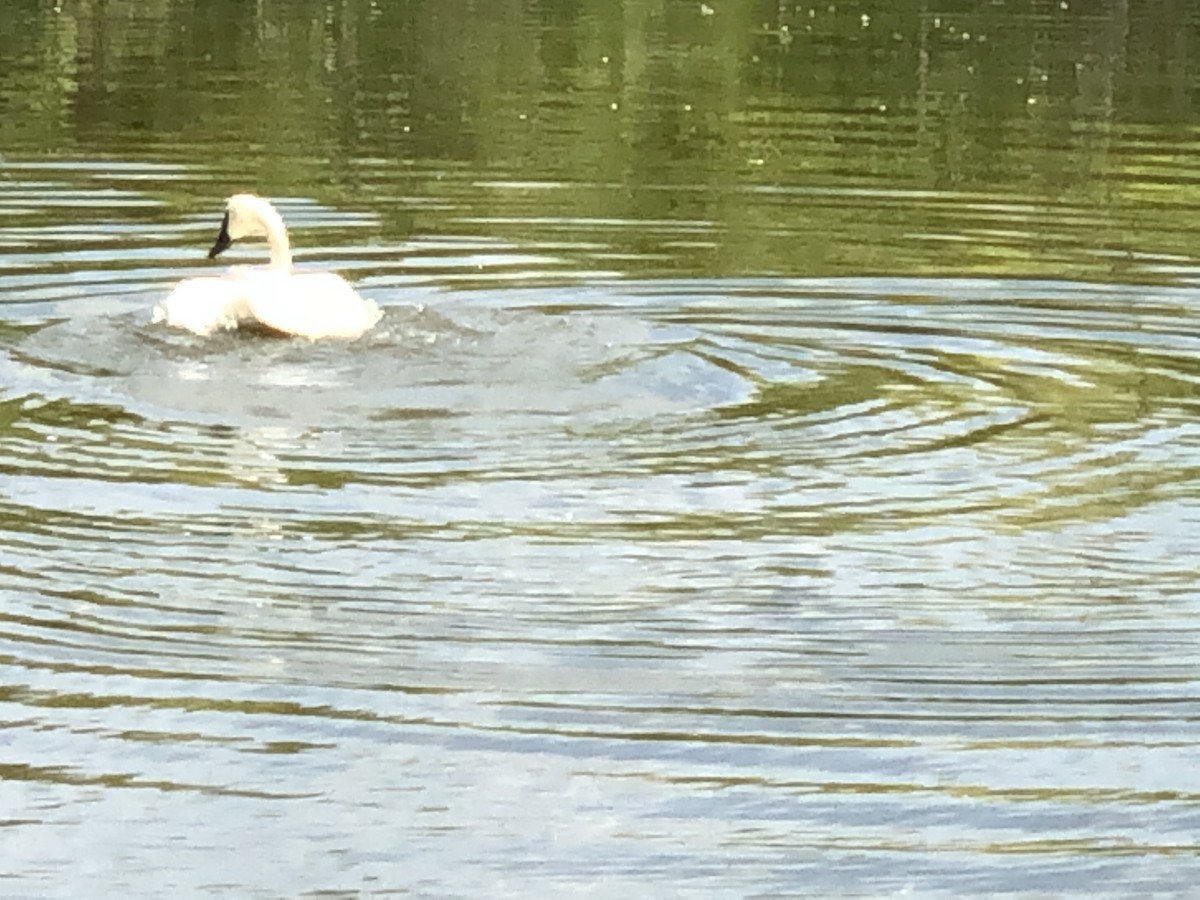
223	240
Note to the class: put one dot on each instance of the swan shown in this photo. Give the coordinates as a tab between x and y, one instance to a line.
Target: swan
274	298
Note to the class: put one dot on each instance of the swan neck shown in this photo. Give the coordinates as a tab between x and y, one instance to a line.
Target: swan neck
277	240
281	252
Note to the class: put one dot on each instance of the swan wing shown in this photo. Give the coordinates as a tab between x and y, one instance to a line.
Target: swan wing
204	305
312	305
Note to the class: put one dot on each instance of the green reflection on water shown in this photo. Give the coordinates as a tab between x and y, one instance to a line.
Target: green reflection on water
1014	138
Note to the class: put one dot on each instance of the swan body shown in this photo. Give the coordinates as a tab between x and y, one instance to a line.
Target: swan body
275	298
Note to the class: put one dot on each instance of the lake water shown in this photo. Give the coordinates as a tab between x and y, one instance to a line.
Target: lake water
775	472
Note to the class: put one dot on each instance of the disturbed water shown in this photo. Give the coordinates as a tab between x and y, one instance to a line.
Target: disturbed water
802	531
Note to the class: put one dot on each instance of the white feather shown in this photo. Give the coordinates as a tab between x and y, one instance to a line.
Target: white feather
312	305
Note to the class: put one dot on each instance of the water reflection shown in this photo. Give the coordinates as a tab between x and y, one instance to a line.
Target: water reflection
773	472
1033	119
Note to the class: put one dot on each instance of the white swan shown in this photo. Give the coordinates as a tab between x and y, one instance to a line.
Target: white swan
275	298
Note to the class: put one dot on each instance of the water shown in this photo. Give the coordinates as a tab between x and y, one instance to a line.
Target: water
774	473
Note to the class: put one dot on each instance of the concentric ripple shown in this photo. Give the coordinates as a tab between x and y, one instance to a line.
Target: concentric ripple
584	574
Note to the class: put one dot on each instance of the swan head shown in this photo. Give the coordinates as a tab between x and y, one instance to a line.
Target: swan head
247	215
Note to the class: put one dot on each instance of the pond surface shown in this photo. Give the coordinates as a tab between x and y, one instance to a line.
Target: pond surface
775	472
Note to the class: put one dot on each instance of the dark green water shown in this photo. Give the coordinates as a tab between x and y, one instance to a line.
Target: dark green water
775	473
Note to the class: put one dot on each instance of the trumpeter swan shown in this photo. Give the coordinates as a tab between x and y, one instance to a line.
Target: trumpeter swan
276	298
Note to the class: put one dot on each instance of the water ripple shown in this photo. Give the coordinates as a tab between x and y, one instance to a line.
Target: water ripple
764	562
